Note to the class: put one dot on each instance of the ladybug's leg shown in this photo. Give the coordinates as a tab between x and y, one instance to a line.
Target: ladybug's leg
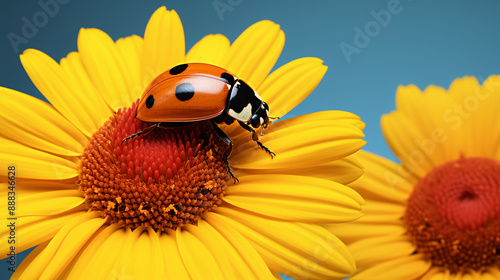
255	138
146	130
228	151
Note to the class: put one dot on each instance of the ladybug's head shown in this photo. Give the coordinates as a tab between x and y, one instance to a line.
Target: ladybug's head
260	117
245	105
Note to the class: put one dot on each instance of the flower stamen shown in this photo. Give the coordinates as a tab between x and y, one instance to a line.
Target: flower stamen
163	179
452	214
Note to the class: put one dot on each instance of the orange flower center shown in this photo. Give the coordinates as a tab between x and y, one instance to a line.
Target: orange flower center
453	214
163	179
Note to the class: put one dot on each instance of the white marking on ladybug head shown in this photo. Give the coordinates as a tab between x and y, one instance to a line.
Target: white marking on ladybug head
257	95
244	115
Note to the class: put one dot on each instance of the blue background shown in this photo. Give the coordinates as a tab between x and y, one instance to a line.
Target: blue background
422	43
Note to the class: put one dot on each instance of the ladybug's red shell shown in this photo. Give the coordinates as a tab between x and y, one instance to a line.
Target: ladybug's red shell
196	92
185	93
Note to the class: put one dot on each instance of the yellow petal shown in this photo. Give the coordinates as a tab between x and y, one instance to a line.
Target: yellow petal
28	260
196	257
491	273
70	246
46	203
487	276
35	230
451	124
238	134
311	143
130	49
235	131
440	127
141	256
39	126
372	251
358	230
97	108
223	253
277	275
436	273
254	53
377	212
474	104
123	267
156	263
36	185
87	253
490	93
35	164
106	67
164	45
410	267
295	249
174	267
469	275
433	144
312	119
290	84
102	264
342	171
227	254
62	247
246	251
416	161
338	116
295	198
61	90
211	49
463	87
383	179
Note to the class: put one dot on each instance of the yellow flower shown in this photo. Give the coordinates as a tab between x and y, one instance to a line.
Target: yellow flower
162	206
435	216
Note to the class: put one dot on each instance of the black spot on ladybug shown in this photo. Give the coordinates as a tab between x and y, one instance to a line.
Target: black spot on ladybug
178	69
228	77
184	91
150	101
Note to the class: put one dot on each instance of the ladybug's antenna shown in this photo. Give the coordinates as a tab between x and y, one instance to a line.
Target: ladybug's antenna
266	124
144	131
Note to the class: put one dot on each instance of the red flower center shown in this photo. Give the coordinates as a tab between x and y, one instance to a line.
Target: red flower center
453	214
163	179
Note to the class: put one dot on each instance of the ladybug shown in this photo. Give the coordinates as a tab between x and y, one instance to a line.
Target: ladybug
195	92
